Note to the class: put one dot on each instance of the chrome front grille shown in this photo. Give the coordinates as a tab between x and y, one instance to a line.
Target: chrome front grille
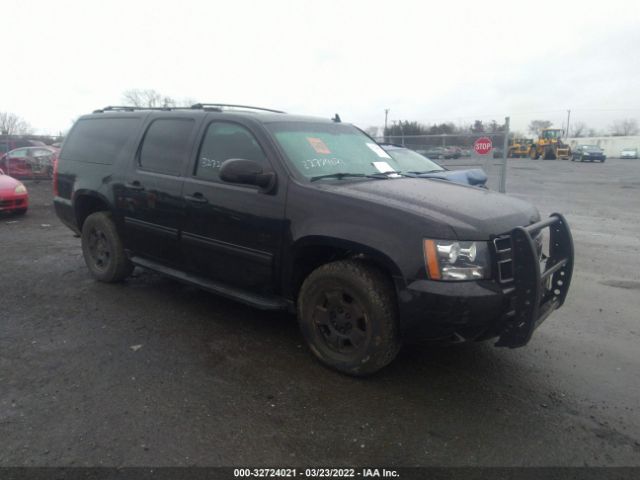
504	255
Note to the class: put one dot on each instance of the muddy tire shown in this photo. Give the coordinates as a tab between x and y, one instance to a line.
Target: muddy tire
102	249
347	311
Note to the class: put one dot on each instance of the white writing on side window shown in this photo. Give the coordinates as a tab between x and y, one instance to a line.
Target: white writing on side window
210	163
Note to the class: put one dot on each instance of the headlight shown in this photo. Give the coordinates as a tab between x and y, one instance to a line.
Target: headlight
451	260
586	154
20	189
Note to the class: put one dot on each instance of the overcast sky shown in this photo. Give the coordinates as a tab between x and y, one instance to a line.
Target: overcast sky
425	61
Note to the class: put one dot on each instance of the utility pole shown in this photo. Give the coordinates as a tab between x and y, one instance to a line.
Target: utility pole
386	115
568	117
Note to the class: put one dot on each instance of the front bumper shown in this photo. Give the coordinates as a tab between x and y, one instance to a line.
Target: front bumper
510	307
10	203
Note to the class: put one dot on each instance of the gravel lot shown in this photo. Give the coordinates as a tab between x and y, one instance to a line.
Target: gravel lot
152	372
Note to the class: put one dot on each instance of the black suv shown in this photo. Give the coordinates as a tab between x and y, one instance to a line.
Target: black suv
309	215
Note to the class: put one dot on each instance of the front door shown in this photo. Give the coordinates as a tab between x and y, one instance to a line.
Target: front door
232	233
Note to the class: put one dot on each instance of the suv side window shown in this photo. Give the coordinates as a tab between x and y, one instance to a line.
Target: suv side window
166	145
222	141
99	140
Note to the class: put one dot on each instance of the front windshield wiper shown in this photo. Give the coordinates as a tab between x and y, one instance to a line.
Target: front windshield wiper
341	175
426	171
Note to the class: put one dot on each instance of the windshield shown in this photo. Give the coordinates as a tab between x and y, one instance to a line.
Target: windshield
410	161
316	149
551	134
590	147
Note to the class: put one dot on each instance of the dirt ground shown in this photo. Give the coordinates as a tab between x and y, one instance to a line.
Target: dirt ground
152	372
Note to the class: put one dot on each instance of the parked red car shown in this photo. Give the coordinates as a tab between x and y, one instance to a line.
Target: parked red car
30	162
14	197
7	144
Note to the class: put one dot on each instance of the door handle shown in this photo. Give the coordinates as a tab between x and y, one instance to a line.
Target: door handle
135	185
196	198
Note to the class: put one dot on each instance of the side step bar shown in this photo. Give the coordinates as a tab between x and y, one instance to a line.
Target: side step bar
263	302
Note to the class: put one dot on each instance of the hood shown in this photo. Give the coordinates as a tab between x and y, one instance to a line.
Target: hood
473	213
8	184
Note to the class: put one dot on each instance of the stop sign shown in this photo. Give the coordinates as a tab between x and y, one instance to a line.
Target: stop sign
483	145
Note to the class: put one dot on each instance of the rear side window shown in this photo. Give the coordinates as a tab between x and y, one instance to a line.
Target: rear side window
98	140
222	141
166	145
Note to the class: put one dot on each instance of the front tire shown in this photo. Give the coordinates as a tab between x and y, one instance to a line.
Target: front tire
102	249
348	316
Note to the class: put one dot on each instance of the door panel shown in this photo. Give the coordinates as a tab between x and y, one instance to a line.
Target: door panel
150	200
232	233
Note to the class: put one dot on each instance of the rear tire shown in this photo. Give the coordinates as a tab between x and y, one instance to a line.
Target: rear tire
347	312
102	249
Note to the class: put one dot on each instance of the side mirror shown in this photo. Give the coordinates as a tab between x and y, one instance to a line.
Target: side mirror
248	172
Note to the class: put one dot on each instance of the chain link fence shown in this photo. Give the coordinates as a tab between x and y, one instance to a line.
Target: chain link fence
461	151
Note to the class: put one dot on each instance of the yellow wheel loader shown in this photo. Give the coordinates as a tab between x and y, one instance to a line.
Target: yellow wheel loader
549	146
519	148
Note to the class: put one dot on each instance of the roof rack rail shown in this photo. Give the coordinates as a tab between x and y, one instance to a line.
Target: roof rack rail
128	108
218	107
213	107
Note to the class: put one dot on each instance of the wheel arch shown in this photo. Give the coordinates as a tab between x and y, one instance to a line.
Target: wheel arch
86	202
309	253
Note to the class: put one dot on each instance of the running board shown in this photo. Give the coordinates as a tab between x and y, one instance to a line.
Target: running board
263	302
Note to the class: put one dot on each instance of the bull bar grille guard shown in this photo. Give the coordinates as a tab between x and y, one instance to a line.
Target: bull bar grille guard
533	302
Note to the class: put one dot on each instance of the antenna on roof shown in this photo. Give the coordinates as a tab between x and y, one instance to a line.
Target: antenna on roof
336	118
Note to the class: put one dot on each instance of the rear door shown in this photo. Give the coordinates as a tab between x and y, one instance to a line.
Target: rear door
233	232
151	197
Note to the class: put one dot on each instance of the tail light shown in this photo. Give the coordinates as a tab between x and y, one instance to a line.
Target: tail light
55	176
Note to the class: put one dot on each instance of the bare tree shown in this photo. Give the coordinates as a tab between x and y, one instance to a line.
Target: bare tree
147	98
536	126
12	124
628	126
187	101
579	129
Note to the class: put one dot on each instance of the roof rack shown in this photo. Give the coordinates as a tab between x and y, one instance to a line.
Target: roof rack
128	108
219	107
211	107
